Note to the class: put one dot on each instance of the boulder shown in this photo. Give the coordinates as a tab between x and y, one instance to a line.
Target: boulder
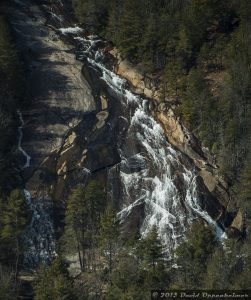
238	222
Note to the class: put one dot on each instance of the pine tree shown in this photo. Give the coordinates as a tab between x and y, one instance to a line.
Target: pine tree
54	283
243	189
192	256
13	220
217	276
127	281
83	211
114	19
152	249
130	29
10	91
7	284
8	53
108	236
140	267
243	276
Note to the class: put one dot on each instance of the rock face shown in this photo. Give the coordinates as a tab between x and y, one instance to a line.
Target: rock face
66	115
142	83
58	94
66	125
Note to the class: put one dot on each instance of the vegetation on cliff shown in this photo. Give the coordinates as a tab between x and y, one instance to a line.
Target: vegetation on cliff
114	264
10	94
13	210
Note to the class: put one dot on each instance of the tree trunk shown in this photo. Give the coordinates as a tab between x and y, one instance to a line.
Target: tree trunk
79	256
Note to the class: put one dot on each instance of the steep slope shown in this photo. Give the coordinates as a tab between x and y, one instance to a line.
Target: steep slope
83	119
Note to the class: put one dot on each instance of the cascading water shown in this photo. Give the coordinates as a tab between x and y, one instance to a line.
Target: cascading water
38	239
151	171
20	138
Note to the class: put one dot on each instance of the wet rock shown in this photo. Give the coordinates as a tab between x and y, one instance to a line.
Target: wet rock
104	104
101	117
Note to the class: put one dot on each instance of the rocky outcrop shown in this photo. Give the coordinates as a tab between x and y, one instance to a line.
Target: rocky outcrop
186	142
142	82
237	227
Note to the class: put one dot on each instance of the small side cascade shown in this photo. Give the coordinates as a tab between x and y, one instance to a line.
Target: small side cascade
20	138
38	239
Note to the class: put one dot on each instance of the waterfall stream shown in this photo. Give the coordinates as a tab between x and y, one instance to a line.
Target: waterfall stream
20	138
38	239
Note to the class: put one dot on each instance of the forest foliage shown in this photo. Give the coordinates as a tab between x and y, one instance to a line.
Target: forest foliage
13	209
201	48
10	94
113	264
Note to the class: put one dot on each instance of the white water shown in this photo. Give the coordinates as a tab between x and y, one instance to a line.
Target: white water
151	172
58	18
38	239
20	138
73	30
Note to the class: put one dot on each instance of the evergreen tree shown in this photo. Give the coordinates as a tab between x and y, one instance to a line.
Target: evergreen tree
7	285
127	281
130	34
83	211
10	91
192	256
243	189
108	236
54	283
152	249
243	276
217	275
13	220
114	18
173	79
229	268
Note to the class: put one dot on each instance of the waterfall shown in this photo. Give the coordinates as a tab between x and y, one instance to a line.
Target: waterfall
38	239
151	173
20	138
